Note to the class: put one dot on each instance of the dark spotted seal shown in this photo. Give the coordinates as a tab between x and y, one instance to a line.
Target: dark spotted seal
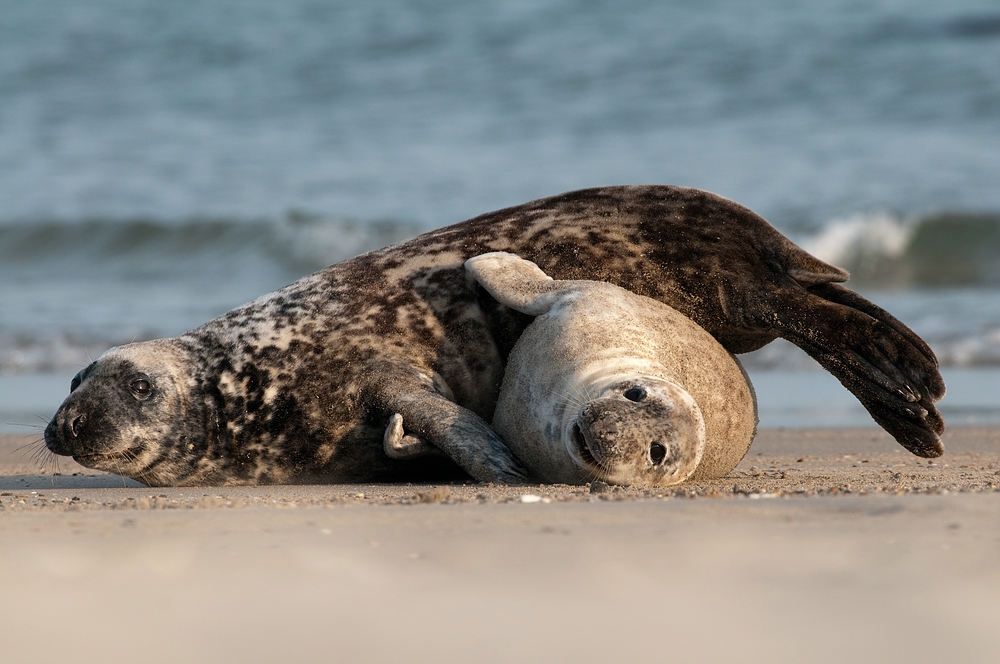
300	384
606	384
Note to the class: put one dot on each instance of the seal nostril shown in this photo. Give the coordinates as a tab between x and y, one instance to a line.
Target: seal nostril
657	452
77	424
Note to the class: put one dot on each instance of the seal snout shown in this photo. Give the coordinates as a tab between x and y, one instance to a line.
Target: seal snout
600	433
63	433
639	434
67	425
595	447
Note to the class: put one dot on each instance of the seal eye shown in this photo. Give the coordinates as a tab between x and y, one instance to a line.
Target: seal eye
75	383
140	388
635	394
657	452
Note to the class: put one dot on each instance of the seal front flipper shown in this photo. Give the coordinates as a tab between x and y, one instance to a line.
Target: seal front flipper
400	445
458	432
515	282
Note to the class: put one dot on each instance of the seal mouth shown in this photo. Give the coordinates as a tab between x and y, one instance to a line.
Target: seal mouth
91	460
581	446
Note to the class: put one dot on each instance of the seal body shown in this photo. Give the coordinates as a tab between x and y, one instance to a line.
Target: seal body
606	384
301	384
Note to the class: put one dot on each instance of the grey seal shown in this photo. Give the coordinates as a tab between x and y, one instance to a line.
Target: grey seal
300	385
606	384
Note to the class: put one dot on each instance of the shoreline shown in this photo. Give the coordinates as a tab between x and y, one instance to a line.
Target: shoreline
860	566
780	463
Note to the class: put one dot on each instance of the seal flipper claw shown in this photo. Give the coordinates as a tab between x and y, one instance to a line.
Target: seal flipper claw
891	370
400	445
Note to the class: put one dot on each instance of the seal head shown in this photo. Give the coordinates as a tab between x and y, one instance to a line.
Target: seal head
644	431
122	409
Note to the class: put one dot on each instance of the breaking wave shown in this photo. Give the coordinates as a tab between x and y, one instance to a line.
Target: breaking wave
883	250
880	249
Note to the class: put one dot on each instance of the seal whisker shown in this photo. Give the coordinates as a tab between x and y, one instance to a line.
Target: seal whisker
41	457
143	473
51	466
30	443
36	457
119	468
36	427
572	397
133	458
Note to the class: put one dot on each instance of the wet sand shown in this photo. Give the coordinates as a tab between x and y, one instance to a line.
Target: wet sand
823	545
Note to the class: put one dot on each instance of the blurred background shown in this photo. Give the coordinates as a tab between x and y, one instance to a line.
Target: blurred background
161	163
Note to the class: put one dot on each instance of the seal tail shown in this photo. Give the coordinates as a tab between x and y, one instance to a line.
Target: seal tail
808	270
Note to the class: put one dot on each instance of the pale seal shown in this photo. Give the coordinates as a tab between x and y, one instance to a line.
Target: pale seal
300	384
606	384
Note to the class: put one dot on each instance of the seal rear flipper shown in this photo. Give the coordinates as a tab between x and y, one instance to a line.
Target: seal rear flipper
840	295
881	361
458	432
515	282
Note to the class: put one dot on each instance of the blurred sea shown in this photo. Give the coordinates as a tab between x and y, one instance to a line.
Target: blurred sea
161	163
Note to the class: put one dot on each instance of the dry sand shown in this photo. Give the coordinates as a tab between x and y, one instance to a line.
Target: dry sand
822	546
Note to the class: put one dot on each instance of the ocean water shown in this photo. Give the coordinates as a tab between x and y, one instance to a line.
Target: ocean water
161	163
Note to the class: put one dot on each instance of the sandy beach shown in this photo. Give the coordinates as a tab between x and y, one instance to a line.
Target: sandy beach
823	545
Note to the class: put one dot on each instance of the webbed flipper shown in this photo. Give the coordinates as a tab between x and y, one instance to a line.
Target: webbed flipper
890	369
515	282
438	422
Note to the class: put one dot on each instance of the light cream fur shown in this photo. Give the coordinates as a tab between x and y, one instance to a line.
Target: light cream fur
589	340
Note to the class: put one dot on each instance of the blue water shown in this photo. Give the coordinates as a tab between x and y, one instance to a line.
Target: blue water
161	163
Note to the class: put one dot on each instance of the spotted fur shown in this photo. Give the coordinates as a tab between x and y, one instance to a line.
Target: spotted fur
300	385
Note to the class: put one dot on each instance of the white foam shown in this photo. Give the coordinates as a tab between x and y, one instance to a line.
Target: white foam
860	237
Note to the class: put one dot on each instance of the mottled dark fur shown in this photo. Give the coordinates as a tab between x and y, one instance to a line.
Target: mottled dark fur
299	385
